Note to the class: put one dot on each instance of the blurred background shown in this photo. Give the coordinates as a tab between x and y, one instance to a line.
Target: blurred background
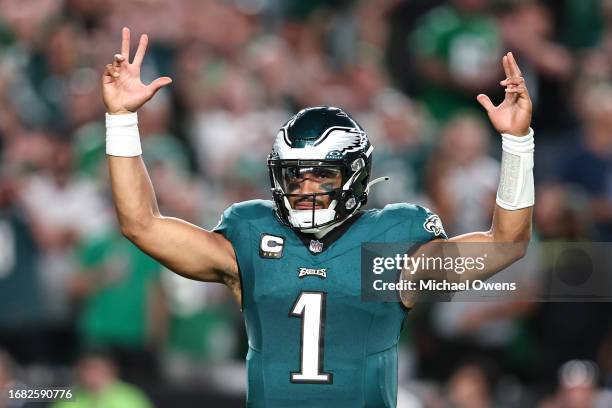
81	306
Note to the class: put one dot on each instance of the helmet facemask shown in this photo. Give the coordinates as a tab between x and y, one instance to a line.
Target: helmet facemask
334	182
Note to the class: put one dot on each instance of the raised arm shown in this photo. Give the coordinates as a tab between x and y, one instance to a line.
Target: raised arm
507	239
512	217
184	248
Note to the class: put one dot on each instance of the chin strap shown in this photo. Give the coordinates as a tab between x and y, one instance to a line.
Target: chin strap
376	181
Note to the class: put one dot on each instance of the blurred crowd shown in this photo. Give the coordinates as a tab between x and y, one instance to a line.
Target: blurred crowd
81	305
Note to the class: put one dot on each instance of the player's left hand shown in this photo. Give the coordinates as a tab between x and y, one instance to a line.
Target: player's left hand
513	115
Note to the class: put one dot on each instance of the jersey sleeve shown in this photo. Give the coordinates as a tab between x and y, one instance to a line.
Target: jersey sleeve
227	224
412	223
237	219
429	225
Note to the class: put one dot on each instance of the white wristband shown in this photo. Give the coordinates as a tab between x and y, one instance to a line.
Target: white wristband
122	137
516	188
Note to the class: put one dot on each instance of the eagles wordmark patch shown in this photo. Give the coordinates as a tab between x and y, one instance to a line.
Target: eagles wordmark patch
321	273
271	246
433	224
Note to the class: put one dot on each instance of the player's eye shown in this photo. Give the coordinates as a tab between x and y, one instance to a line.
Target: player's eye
323	173
293	186
292	173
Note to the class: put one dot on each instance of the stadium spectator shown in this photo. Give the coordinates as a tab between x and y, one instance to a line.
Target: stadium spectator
549	65
469	387
8	377
578	387
98	385
456	46
401	127
123	305
557	328
461	168
21	322
588	163
64	209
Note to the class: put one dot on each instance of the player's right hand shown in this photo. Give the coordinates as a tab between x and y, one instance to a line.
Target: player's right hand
122	90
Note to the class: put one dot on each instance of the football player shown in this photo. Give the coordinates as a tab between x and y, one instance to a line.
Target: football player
293	262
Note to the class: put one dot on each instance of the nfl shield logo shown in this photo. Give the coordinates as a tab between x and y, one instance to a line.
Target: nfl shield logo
316	246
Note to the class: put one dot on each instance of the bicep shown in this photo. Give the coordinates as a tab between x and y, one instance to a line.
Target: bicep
188	250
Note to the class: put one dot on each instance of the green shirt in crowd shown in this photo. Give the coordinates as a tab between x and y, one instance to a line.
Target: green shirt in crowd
117	395
467	44
116	314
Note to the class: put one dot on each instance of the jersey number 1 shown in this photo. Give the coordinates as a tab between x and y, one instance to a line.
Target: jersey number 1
310	306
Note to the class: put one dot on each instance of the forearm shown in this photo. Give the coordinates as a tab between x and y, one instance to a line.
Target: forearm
507	227
133	193
516	193
511	226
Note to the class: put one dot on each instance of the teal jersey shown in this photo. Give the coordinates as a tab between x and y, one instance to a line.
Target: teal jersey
312	341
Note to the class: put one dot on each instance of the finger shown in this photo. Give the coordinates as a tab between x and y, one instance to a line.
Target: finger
513	81
516	71
159	83
510	97
112	71
125	43
142	49
117	60
506	66
107	76
485	102
516	89
517	92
